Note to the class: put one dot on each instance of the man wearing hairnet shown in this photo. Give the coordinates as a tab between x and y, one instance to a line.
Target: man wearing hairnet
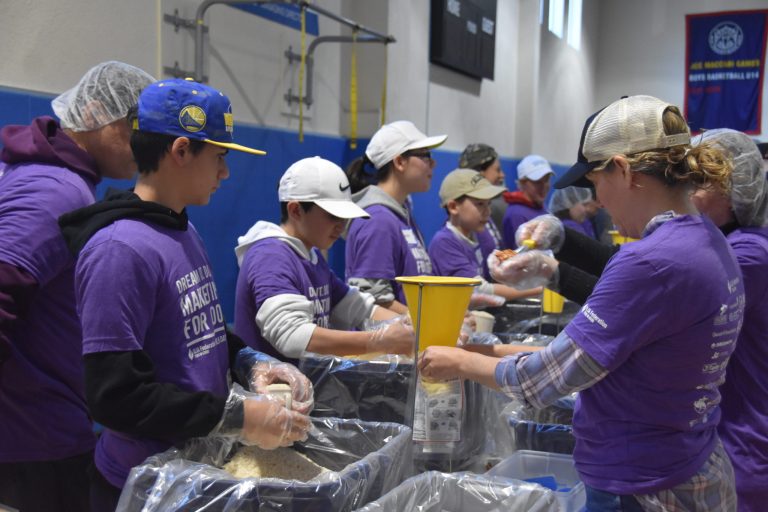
46	169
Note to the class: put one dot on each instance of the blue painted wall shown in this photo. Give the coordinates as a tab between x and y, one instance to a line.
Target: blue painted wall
250	194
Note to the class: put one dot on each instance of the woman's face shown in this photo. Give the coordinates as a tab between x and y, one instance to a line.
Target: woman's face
493	173
417	170
610	191
578	212
714	204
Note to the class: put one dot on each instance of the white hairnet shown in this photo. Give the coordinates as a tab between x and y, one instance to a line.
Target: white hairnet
749	191
566	198
103	95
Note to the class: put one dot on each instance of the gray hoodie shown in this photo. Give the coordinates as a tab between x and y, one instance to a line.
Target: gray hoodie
287	320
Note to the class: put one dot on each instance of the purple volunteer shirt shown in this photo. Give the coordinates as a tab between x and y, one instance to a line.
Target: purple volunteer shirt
452	256
43	414
490	240
270	268
141	286
663	320
516	215
588	228
576	226
744	424
385	246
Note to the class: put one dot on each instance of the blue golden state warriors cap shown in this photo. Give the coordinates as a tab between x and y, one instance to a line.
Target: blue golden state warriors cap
185	108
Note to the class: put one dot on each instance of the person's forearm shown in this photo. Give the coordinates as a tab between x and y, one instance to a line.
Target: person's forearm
382	313
500	350
340	343
510	293
479	368
397	307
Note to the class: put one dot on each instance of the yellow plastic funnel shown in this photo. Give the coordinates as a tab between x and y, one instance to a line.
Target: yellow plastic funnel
552	302
620	239
444	301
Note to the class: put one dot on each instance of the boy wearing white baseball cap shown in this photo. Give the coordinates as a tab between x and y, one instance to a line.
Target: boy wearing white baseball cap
288	301
526	203
455	251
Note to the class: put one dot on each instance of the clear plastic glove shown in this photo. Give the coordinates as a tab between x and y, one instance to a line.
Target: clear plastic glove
526	270
395	336
260	370
485	300
468	328
264	373
546	230
260	420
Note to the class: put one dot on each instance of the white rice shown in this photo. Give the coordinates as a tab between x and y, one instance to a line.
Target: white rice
285	463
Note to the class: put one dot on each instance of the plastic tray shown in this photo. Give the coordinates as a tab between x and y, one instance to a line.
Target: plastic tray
551	470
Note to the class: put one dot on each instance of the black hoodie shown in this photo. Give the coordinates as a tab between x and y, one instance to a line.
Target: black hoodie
120	387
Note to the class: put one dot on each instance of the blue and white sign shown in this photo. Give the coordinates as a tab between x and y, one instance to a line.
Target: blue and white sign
288	15
725	62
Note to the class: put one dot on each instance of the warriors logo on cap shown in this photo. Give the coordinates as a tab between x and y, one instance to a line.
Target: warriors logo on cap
192	118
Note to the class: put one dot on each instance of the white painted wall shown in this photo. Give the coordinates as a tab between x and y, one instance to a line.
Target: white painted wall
642	48
542	92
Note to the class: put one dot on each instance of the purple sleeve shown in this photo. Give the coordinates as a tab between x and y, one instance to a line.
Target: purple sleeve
622	313
372	250
751	256
29	228
17	288
271	271
512	220
448	258
116	291
339	289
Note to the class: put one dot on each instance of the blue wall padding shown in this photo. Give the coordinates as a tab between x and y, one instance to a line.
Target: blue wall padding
250	193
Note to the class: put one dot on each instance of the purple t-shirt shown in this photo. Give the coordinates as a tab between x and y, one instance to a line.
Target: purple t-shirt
663	319
452	256
744	424
588	228
384	247
576	226
271	267
490	240
141	286
516	215
43	414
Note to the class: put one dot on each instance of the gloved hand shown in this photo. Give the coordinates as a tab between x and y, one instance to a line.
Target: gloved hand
546	230
468	327
264	373
395	336
525	270
485	300
260	420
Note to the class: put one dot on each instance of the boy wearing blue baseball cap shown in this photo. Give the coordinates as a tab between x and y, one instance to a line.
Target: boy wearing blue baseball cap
155	345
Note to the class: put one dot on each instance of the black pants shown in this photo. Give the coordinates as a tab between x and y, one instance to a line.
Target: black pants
47	486
104	495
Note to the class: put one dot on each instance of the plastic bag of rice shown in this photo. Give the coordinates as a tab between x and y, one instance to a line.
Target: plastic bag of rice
285	463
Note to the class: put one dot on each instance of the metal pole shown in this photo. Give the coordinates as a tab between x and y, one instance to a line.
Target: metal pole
200	15
410	410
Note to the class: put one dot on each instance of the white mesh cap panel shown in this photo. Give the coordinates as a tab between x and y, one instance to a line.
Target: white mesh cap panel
629	125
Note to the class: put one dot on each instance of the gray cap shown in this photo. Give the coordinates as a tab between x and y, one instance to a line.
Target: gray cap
476	155
749	191
104	94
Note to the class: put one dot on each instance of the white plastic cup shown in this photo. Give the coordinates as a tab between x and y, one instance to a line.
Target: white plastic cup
484	321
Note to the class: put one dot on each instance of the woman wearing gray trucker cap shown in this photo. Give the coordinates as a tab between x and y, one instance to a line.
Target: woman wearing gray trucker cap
649	348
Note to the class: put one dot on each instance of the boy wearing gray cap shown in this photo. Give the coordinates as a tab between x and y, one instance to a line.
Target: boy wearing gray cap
47	169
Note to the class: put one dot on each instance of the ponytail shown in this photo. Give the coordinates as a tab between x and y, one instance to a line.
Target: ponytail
361	173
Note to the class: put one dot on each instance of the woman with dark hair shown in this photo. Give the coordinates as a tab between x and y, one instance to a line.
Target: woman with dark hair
397	162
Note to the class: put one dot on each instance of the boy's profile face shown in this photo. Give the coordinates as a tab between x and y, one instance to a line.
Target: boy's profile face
469	213
316	227
204	172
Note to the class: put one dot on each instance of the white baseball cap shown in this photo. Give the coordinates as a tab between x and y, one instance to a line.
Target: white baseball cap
395	139
319	181
533	167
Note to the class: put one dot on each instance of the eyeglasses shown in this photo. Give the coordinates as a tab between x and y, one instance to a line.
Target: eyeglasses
425	156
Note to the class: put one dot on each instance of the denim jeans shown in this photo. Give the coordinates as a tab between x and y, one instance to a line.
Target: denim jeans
601	501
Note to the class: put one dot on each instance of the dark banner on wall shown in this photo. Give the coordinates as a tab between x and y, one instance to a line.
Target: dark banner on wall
725	58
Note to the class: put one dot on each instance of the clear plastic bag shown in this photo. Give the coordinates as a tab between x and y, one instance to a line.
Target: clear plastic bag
547	430
366	460
467	492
